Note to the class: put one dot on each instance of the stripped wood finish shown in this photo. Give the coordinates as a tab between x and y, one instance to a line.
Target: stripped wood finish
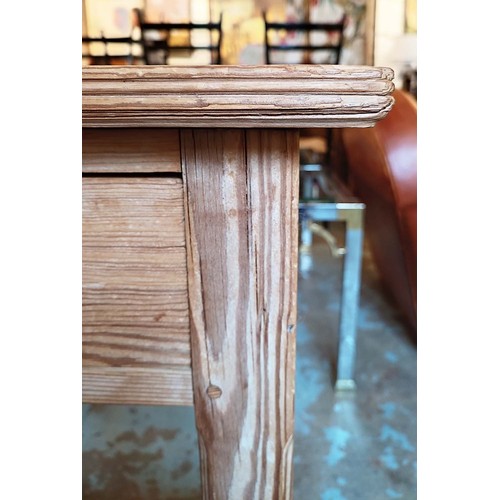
241	202
130	150
242	223
292	96
169	385
135	307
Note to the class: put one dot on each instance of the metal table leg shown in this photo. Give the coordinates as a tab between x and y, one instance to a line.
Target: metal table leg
352	213
351	282
308	188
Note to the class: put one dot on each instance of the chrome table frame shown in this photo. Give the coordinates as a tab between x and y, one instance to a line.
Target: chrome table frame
342	206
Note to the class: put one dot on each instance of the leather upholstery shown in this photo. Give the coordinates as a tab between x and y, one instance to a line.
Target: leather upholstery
382	169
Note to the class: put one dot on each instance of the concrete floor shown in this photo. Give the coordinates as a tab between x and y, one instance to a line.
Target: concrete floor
351	446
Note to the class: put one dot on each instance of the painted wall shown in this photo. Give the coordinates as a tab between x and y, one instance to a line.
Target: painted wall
395	43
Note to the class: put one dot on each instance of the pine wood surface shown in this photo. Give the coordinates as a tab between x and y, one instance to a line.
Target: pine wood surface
292	96
171	385
233	255
242	240
135	307
130	150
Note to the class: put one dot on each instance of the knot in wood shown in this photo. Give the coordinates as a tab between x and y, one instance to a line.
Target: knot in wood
214	392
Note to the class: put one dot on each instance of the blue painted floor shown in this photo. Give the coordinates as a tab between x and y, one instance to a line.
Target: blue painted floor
348	446
359	445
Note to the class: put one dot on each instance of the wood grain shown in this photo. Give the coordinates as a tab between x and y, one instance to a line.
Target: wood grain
241	216
241	204
237	97
171	385
135	307
130	150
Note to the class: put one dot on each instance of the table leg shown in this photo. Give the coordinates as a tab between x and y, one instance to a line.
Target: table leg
242	238
351	282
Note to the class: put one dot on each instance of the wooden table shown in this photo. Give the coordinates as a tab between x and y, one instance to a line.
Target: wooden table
190	241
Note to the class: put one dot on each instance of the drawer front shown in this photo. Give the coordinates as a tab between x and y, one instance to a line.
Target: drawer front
130	150
135	305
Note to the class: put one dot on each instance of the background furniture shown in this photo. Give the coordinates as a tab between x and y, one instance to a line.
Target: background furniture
102	44
333	32
382	165
159	44
154	43
190	232
409	78
335	202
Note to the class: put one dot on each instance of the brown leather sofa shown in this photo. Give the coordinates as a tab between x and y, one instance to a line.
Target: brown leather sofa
382	172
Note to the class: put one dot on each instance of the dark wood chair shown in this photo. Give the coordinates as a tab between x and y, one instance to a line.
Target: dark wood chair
124	56
158	43
333	46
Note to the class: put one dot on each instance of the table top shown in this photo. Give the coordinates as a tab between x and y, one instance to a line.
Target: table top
272	96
